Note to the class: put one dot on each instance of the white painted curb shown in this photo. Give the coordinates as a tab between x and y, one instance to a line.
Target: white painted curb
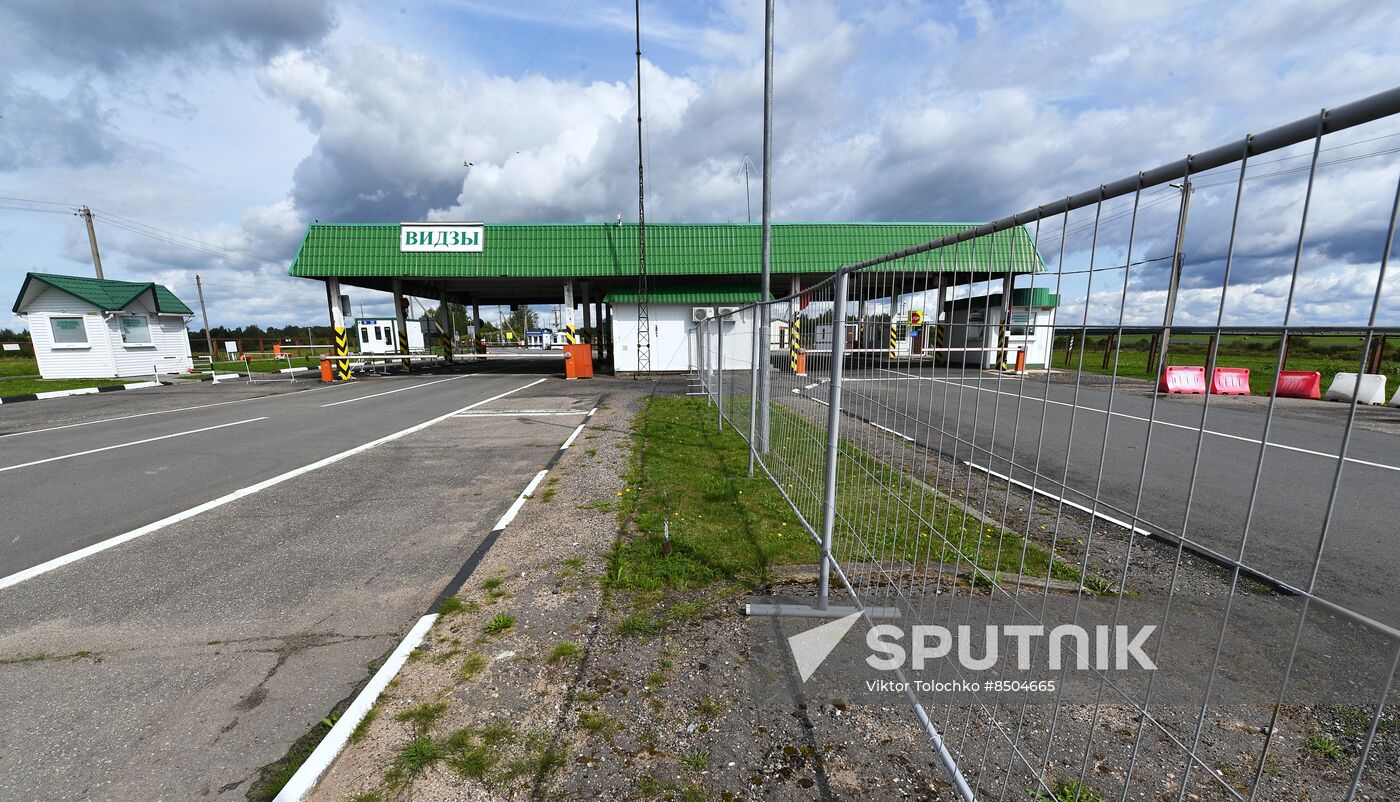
305	778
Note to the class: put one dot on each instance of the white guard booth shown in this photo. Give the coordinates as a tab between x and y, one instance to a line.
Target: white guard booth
380	336
94	328
674	313
974	323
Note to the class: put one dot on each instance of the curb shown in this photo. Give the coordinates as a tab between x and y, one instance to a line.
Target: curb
111	388
306	777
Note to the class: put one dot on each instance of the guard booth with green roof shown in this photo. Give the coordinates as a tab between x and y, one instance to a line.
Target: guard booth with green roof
595	266
95	328
974	323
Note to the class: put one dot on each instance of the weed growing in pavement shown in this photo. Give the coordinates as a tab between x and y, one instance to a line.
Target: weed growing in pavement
640	624
473	665
709	707
566	650
597	723
499	624
368	796
450	606
1069	791
413	759
1323	745
422	716
696	761
362	729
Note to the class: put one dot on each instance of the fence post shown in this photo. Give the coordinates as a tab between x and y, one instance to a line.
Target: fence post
833	435
719	370
753	388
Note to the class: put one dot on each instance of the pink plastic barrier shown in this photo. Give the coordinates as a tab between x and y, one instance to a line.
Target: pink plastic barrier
1299	384
1182	379
1230	381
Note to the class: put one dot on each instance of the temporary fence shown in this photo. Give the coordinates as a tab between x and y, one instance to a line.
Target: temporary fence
956	474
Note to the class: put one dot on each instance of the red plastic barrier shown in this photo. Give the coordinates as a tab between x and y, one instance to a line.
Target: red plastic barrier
1299	384
1182	379
1230	381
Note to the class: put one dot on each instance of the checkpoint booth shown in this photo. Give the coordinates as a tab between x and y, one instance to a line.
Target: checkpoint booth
975	323
539	338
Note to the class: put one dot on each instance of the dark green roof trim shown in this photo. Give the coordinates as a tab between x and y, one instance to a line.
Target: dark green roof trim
109	295
603	250
1035	297
688	295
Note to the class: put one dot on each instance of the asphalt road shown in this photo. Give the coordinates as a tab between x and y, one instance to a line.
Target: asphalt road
1066	444
175	665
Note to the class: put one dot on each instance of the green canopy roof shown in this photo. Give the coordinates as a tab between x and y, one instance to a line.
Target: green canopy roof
688	295
604	250
108	295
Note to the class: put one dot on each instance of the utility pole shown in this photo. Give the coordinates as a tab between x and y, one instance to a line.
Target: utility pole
765	373
209	338
1174	281
643	291
86	214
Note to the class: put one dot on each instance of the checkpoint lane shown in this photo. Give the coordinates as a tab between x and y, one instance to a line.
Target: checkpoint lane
136	485
1290	506
212	645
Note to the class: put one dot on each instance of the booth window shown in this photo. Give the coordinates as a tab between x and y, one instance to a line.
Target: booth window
136	330
68	330
1021	324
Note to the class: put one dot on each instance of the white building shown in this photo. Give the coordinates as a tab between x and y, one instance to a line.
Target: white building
974	323
94	328
673	313
377	336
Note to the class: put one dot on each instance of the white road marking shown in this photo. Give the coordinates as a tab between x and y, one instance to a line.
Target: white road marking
325	752
164	411
58	562
1160	422
125	445
577	431
1061	499
524	413
391	392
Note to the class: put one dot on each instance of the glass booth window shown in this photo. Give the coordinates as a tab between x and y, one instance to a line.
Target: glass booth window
1022	324
136	330
68	330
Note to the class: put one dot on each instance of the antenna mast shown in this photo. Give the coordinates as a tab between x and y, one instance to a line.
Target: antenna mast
643	313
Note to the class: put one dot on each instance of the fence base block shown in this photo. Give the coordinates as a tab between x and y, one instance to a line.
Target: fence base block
808	611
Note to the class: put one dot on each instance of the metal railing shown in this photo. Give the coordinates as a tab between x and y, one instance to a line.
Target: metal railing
953	463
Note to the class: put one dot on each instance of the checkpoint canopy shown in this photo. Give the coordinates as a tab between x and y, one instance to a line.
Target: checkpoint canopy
485	264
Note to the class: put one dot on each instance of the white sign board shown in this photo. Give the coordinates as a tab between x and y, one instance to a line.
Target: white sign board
441	237
231	346
10	346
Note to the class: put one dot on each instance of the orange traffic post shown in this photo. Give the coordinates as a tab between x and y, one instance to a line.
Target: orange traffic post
327	373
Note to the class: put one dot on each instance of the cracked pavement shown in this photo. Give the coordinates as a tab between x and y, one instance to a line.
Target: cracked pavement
177	665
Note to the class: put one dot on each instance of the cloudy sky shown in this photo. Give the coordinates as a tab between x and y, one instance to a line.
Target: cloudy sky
207	134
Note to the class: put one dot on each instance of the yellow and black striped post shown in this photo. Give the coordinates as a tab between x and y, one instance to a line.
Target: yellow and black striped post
795	343
342	349
571	334
893	329
1003	343
940	357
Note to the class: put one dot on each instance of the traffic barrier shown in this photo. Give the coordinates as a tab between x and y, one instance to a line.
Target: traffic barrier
1371	390
578	362
1182	379
1230	381
1298	384
1395	402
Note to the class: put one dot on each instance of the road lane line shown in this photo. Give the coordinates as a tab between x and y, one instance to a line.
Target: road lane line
164	411
1160	422
391	392
125	445
524	413
59	562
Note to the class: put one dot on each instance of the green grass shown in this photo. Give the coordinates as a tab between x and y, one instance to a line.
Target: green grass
1070	791
1259	353
499	624
415	758
565	651
422	716
362	729
597	723
10	387
696	761
473	665
1324	746
18	366
450	606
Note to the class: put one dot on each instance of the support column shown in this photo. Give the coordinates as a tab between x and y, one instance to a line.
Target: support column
797	358
342	345
571	332
401	321
1004	330
587	313
939	338
598	335
476	327
445	326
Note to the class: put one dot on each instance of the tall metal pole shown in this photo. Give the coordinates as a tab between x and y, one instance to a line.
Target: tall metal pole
1174	282
208	338
765	378
643	312
86	214
833	435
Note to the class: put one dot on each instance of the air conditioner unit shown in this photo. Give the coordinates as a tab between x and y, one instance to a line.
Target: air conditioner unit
701	313
726	311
